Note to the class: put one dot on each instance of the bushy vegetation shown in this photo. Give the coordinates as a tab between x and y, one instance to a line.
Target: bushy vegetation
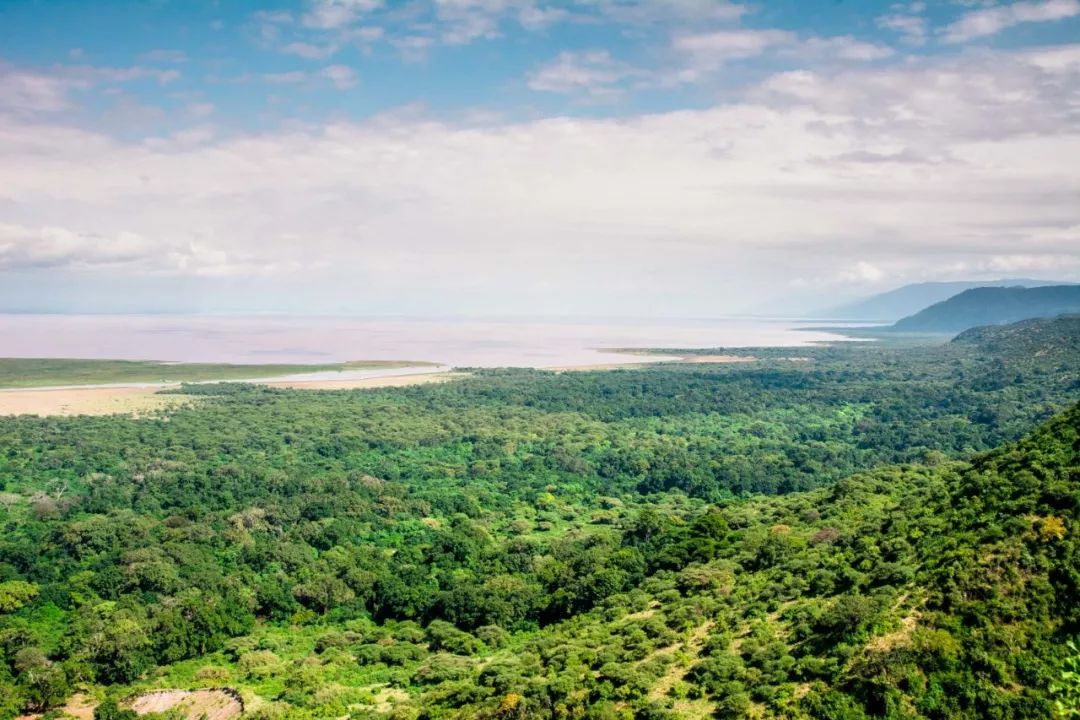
813	538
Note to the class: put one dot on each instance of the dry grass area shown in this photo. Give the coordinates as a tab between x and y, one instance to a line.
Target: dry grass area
87	401
691	359
79	706
717	358
598	366
374	382
386	698
685	708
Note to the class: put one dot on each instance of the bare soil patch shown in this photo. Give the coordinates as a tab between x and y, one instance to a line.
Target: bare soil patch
87	401
141	401
218	704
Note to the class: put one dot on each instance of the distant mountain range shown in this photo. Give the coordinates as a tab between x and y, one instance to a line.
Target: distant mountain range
992	306
910	299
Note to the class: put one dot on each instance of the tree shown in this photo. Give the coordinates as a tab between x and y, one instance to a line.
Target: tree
1066	690
16	593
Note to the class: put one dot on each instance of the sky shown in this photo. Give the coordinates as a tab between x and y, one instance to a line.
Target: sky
581	157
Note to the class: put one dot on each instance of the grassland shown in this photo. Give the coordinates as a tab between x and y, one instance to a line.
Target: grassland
42	372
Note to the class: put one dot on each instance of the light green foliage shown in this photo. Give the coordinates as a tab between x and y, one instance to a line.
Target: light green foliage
16	593
1066	690
815	539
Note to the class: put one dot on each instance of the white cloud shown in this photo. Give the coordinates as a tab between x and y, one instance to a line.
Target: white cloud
990	21
592	73
650	12
862	272
922	165
912	29
715	48
340	76
24	248
708	52
23	91
50	90
843	47
333	14
413	48
310	51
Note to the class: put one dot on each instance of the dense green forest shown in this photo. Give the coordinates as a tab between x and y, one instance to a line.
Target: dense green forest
847	531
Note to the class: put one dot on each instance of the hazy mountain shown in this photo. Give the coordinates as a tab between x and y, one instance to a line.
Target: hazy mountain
993	306
910	299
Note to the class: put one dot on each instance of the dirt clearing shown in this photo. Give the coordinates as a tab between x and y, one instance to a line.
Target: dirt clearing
87	401
195	704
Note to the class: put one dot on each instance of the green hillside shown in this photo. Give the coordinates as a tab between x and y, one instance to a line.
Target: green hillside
907	300
993	306
865	532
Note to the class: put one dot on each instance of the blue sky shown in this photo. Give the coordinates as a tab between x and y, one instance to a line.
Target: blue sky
557	157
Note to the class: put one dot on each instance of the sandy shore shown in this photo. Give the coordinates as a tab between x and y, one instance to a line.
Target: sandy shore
144	400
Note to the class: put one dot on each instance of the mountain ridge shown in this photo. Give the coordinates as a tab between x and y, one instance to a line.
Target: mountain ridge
992	306
900	302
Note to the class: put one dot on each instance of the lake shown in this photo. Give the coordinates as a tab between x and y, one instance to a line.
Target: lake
460	342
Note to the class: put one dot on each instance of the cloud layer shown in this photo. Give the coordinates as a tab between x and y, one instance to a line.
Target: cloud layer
931	168
699	163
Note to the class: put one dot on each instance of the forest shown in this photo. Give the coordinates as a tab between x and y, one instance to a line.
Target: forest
857	530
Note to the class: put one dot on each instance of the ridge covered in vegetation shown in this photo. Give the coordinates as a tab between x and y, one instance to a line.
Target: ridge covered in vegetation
992	306
831	537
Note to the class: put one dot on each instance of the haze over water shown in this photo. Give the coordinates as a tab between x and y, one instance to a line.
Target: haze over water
494	342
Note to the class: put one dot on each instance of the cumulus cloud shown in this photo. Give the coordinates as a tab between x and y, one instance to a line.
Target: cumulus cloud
25	249
990	21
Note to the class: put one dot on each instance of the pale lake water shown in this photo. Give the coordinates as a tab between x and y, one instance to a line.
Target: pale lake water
452	342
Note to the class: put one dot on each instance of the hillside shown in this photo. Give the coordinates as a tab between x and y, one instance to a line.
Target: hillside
992	306
1056	337
769	539
907	300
